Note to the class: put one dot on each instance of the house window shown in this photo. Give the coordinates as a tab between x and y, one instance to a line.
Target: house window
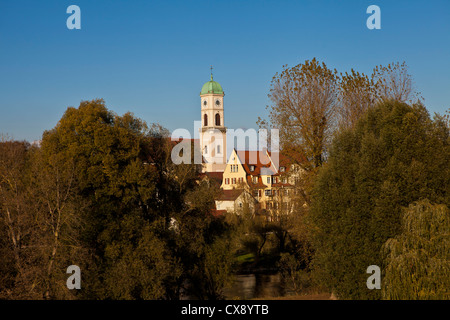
233	180
268	180
259	193
282	169
241	180
205	120
255	179
240	204
217	119
227	180
268	192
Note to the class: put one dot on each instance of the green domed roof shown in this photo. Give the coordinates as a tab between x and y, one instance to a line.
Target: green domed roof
211	87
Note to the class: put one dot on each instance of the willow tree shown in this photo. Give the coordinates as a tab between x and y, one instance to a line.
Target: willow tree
418	260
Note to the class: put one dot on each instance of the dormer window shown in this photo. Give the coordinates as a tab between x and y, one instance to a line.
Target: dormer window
282	169
252	168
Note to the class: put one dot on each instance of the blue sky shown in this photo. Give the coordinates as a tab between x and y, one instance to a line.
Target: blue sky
152	57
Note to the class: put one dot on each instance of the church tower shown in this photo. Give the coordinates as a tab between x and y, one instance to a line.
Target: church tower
213	130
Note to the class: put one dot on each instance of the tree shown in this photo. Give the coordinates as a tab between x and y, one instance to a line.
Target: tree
15	221
357	95
304	107
58	210
203	244
394	156
139	263
418	259
109	159
394	82
41	213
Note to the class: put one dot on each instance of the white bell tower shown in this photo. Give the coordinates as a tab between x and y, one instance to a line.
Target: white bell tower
213	130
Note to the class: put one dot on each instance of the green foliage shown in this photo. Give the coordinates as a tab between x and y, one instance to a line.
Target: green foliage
293	274
138	263
418	259
395	155
212	273
102	193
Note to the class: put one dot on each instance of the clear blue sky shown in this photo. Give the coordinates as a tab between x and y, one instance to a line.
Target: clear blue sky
152	57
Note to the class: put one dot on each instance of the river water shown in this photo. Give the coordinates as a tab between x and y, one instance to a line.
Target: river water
256	285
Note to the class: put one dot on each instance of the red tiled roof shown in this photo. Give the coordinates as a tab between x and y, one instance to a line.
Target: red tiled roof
216	176
259	159
230	195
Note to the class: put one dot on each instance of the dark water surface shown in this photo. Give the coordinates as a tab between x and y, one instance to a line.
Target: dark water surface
256	285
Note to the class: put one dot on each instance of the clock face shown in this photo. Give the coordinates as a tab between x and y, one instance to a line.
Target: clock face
217	102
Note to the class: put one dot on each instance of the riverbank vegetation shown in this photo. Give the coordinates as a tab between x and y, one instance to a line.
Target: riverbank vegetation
101	192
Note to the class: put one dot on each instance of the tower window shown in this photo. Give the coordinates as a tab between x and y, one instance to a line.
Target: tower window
205	120
218	149
206	149
217	119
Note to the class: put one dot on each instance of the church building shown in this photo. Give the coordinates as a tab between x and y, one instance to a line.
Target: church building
263	185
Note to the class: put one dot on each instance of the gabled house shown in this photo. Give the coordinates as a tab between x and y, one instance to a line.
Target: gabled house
268	178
